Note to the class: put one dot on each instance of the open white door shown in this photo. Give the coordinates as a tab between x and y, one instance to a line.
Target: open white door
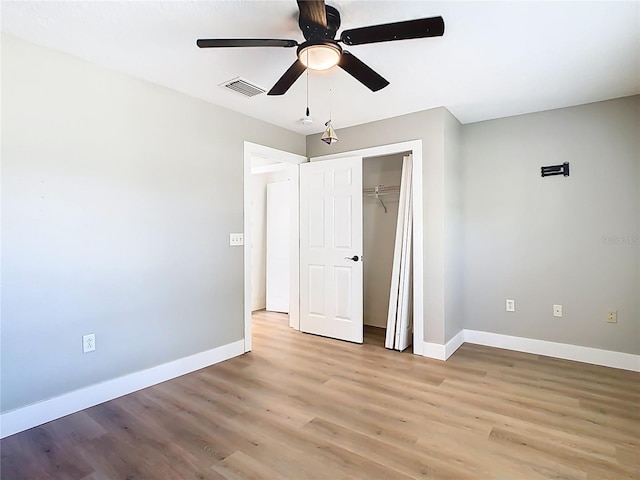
331	248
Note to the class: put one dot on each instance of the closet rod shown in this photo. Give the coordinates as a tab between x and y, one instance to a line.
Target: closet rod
379	190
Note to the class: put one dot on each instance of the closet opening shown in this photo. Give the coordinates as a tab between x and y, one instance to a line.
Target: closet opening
268	169
387	251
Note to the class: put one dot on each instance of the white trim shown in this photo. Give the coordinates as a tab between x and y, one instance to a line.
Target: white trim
418	247
432	350
294	243
454	344
268	153
246	186
250	151
378	151
415	147
276	167
578	353
443	352
566	351
38	413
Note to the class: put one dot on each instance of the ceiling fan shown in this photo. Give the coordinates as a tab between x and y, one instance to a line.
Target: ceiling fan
320	51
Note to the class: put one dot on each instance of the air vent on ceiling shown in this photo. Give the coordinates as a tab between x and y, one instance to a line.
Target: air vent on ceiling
243	87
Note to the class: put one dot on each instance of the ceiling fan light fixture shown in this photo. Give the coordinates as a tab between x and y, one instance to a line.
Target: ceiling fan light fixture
319	55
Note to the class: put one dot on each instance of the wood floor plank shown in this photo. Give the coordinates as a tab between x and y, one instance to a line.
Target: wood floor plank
569	456
416	464
17	463
303	407
46	457
473	448
241	466
75	429
111	458
182	462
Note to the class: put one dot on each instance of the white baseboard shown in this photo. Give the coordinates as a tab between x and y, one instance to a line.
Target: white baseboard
433	350
23	418
454	344
442	352
595	356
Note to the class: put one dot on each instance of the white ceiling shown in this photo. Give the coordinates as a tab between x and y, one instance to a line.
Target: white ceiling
496	59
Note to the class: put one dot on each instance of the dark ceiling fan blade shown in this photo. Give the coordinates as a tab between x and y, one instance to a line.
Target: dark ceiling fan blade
312	12
244	42
288	79
420	28
361	72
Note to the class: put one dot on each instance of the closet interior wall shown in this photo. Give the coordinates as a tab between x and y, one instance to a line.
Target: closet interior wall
379	230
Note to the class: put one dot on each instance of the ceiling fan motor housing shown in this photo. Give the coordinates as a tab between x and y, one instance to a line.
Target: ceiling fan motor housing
311	30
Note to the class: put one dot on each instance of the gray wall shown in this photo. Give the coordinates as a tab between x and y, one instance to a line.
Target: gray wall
428	126
118	197
555	240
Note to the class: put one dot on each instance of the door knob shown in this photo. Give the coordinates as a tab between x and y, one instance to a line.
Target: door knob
355	258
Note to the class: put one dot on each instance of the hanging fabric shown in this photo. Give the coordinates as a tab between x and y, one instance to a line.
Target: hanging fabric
399	319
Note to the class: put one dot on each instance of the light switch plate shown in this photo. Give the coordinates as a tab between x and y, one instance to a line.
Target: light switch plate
236	239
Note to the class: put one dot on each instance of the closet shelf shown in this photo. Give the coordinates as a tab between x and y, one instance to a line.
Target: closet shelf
380	190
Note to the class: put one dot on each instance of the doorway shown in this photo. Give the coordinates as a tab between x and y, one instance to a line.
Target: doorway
271	164
271	191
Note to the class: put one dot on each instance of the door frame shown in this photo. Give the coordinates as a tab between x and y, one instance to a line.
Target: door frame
252	150
415	147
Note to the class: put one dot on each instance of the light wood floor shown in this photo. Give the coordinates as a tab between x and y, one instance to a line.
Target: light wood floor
306	407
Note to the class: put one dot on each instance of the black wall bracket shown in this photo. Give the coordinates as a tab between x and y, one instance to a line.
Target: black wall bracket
555	170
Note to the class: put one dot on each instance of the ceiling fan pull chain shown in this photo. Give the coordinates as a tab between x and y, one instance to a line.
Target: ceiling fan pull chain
307	72
330	93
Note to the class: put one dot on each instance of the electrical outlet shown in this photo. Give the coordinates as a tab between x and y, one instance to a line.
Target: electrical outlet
612	316
557	310
88	343
510	305
236	239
